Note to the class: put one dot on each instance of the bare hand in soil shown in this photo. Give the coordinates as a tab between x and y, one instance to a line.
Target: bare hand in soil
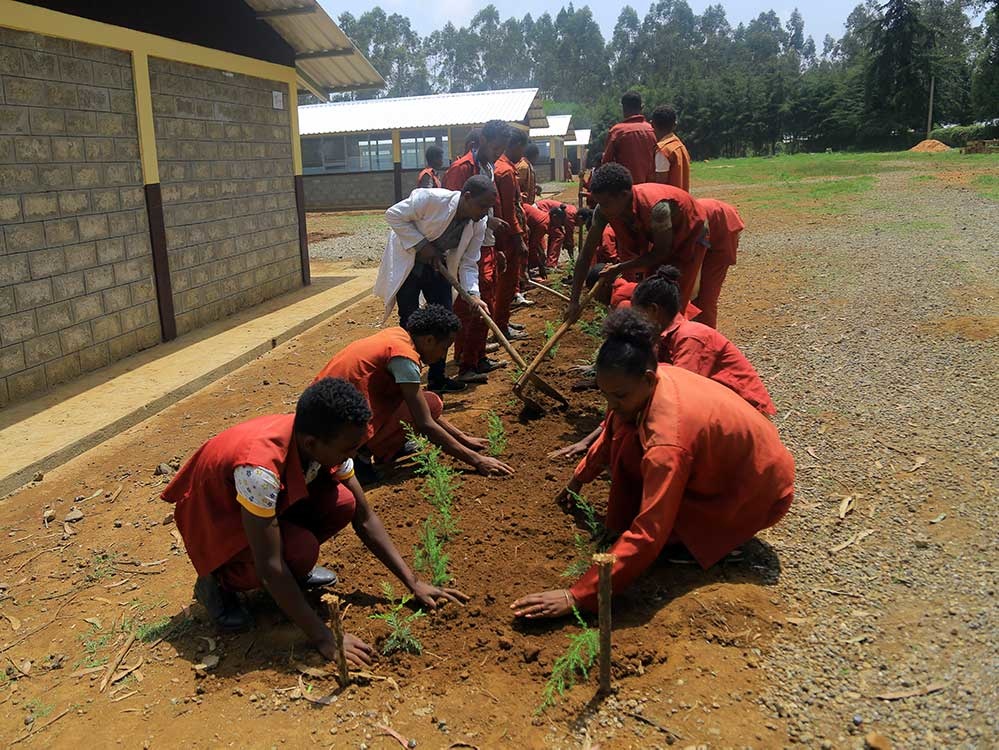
569	451
489	466
357	651
478	444
429	596
544	605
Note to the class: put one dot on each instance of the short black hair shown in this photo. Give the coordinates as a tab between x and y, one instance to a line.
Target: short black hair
517	137
557	211
586	214
664	117
531	151
631	101
610	178
495	130
478	184
434	153
328	405
435	320
629	344
661	288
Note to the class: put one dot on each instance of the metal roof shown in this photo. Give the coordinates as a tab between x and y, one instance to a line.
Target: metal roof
325	58
582	138
411	112
558	127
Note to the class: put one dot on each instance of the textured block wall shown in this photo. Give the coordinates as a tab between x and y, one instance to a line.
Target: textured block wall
228	189
338	192
76	273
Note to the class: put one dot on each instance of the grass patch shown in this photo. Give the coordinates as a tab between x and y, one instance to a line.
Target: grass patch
165	627
101	566
496	434
400	637
550	329
594	328
987	185
576	661
94	641
38	709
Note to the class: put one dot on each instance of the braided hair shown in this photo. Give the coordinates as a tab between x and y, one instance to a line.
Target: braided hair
628	346
661	289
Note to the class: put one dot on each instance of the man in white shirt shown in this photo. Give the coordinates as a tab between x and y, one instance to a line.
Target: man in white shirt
434	224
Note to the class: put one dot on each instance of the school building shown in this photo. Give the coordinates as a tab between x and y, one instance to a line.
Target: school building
551	142
150	170
367	153
578	150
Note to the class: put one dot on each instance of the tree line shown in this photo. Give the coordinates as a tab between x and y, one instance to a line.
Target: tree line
758	87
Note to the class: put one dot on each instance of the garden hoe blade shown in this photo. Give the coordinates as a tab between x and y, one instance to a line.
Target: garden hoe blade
514	354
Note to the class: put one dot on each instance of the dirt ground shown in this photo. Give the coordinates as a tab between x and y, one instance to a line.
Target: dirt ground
791	645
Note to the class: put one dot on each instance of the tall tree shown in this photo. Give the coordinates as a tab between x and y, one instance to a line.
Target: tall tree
898	73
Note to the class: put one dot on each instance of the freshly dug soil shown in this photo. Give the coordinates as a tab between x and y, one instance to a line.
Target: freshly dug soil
687	643
930	147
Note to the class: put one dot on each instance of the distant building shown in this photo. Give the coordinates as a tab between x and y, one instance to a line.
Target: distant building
578	150
551	140
150	170
367	153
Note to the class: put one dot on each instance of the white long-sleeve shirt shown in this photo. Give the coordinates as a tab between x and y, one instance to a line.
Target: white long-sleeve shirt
424	215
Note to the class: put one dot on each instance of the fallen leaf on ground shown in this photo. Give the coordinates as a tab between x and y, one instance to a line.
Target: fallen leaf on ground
939	518
14	622
875	741
811	452
209	662
895	695
315	672
326	700
852	540
95	621
920	461
846	505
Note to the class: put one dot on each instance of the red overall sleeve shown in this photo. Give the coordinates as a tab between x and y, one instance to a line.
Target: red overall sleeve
509	199
610	150
597	457
693	355
665	470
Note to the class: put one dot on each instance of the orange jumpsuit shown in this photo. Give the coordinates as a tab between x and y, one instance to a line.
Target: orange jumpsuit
725	226
632	144
701	349
527	180
508	208
435	181
562	236
701	468
690	233
675	154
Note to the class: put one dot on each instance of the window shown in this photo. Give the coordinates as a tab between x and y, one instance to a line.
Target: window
544	151
414	147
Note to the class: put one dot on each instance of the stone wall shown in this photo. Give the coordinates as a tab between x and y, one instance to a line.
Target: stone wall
228	189
76	272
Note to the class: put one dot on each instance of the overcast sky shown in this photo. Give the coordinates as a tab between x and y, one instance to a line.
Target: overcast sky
823	18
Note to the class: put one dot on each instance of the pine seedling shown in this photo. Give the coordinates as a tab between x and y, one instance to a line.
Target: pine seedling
594	328
496	434
429	556
585	547
577	660
549	332
401	637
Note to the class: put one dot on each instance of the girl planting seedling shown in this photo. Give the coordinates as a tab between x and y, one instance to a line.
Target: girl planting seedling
691	464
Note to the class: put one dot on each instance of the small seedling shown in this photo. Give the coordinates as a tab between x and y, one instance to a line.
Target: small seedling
401	637
429	556
549	332
515	374
496	434
440	485
594	328
577	660
585	547
37	708
93	643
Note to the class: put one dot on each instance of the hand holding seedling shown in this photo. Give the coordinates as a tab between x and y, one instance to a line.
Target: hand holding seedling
547	604
357	651
570	493
429	596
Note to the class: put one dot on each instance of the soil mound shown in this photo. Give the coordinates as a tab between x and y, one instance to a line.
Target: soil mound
930	147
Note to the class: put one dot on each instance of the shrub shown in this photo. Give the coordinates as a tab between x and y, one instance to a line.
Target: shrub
401	637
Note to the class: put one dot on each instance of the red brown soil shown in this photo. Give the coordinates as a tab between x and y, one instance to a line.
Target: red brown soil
687	641
930	146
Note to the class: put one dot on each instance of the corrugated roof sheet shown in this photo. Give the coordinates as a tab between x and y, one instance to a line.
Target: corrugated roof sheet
411	112
326	60
582	138
559	126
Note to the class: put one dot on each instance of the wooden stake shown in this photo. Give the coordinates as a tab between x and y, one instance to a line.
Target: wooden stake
336	625
604	563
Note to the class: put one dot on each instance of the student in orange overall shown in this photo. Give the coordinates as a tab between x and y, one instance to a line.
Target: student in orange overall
564	234
386	367
511	247
672	160
256	501
691	464
725	227
632	142
541	223
428	176
526	176
654	225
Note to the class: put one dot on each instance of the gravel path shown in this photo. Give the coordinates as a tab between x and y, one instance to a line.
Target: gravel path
365	248
881	351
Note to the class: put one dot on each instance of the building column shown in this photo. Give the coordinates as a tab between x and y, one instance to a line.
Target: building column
296	159
154	196
551	154
397	163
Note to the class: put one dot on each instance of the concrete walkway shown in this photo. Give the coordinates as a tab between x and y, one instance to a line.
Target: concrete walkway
74	417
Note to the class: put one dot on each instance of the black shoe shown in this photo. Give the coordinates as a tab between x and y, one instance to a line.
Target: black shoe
517	326
224	607
487	365
448	385
513	335
319	577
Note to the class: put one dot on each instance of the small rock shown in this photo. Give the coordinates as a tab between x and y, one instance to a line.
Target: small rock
117	523
238	691
163	470
74	515
29	719
857	720
37	478
168	519
531	654
48	515
505	643
875	741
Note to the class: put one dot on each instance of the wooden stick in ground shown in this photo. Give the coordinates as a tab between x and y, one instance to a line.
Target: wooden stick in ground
559	333
604	563
336	625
